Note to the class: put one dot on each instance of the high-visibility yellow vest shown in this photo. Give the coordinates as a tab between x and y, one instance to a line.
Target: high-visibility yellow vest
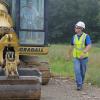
79	46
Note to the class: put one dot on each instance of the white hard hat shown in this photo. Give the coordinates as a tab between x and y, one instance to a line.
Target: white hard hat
80	24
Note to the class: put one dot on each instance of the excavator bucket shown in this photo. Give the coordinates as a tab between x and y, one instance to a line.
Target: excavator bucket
27	86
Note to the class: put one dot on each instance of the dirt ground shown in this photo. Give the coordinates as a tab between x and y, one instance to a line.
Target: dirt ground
58	89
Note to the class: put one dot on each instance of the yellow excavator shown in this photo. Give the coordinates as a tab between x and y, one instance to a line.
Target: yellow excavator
23	38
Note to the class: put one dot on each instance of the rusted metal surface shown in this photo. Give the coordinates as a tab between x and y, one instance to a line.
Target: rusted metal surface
22	80
27	86
10	92
45	74
42	66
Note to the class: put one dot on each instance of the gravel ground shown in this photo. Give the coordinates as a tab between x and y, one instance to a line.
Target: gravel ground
58	89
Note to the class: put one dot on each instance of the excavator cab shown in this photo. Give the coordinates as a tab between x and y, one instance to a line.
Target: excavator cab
23	38
30	21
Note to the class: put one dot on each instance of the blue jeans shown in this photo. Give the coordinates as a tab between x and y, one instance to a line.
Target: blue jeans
80	66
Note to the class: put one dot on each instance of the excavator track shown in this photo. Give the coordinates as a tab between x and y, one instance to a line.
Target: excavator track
35	62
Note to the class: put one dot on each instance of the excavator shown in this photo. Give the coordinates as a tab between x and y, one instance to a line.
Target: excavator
23	40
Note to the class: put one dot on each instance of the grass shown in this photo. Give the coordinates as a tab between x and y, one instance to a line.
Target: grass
93	73
59	65
57	58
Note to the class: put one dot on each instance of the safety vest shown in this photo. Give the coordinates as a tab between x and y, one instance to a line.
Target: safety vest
79	46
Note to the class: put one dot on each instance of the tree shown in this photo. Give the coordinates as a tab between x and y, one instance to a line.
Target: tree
63	14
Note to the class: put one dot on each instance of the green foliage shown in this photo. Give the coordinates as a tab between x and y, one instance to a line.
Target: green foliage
63	14
93	73
59	65
57	59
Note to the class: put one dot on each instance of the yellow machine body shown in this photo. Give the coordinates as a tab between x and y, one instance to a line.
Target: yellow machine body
16	82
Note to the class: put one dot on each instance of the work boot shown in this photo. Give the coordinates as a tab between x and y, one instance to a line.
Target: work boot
79	88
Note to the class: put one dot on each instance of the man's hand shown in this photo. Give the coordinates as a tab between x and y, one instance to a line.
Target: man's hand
68	58
82	56
69	53
85	51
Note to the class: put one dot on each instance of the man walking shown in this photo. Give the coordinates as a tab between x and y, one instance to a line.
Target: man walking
81	44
